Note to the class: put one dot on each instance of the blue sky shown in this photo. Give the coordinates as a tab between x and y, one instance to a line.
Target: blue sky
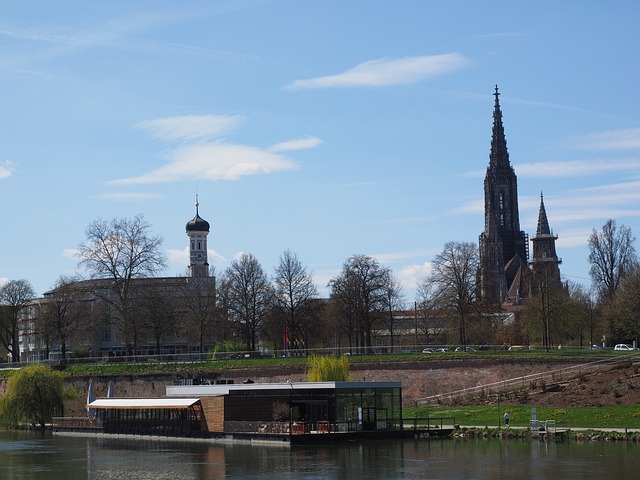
329	128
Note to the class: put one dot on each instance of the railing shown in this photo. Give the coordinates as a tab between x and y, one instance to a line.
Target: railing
494	388
428	423
78	424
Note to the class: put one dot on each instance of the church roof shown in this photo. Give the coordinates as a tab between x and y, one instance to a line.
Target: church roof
499	157
543	223
197	223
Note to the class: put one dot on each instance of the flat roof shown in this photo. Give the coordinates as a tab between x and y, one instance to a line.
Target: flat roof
218	390
122	403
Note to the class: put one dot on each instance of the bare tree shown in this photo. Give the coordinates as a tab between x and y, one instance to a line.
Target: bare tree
63	314
249	294
452	283
15	297
118	252
294	299
392	302
611	255
359	290
626	305
159	304
200	310
430	321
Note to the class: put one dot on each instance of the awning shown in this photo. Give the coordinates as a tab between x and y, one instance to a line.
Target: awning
141	403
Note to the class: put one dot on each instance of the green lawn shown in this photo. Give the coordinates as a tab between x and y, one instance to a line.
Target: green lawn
619	416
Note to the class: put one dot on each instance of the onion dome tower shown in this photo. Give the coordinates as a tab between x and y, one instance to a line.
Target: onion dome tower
197	230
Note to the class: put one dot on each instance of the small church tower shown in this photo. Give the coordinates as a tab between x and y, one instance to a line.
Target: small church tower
545	262
197	231
503	246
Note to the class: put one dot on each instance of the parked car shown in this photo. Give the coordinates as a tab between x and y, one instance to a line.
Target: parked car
427	350
440	350
465	349
623	346
594	347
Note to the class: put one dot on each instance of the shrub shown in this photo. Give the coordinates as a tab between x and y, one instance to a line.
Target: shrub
328	369
34	395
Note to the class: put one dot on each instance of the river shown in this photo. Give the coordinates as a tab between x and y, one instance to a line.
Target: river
32	456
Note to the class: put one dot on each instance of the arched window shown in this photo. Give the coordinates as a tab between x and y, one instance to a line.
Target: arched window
501	205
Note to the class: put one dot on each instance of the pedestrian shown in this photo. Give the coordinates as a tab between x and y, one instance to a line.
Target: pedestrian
506	418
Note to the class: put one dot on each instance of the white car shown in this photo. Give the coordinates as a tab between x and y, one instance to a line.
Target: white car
623	346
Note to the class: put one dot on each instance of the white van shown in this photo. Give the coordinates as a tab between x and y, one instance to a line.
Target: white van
623	346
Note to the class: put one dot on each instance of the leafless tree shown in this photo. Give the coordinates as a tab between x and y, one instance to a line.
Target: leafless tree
200	310
452	284
294	299
611	255
359	289
63	314
159	309
118	252
392	302
15	297
626	306
249	298
430	321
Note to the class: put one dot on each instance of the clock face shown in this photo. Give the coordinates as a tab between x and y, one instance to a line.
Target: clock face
199	255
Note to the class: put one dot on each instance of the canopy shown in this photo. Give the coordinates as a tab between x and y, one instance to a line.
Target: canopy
141	403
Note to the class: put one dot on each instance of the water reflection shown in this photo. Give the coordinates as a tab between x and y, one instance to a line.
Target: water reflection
25	456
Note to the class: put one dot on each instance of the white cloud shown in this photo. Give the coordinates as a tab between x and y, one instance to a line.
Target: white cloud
190	127
128	196
3	281
200	156
298	144
575	168
411	276
6	169
625	139
386	72
397	256
212	161
71	253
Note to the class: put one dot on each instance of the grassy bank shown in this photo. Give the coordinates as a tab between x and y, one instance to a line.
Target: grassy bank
619	416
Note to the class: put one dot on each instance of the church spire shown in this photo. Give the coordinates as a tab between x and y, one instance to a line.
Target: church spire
543	223
499	156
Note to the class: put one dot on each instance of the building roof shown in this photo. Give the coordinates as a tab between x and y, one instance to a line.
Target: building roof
219	390
197	223
122	403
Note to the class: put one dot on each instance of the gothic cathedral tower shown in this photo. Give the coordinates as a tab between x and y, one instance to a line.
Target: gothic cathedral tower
503	246
197	231
545	262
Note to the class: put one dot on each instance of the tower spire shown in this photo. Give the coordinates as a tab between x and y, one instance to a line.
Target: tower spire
499	156
543	223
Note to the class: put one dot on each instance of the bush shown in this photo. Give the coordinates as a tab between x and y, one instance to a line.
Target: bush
328	369
34	395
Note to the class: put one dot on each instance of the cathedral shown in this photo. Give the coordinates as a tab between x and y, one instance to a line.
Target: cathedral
506	274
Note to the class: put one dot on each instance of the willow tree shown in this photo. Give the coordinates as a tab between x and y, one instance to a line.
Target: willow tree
34	395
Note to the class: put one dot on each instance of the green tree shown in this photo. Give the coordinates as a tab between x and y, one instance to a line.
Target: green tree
34	395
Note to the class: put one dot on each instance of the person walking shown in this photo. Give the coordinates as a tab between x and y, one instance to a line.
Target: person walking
506	418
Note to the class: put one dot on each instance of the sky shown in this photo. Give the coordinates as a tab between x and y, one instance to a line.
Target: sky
323	127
